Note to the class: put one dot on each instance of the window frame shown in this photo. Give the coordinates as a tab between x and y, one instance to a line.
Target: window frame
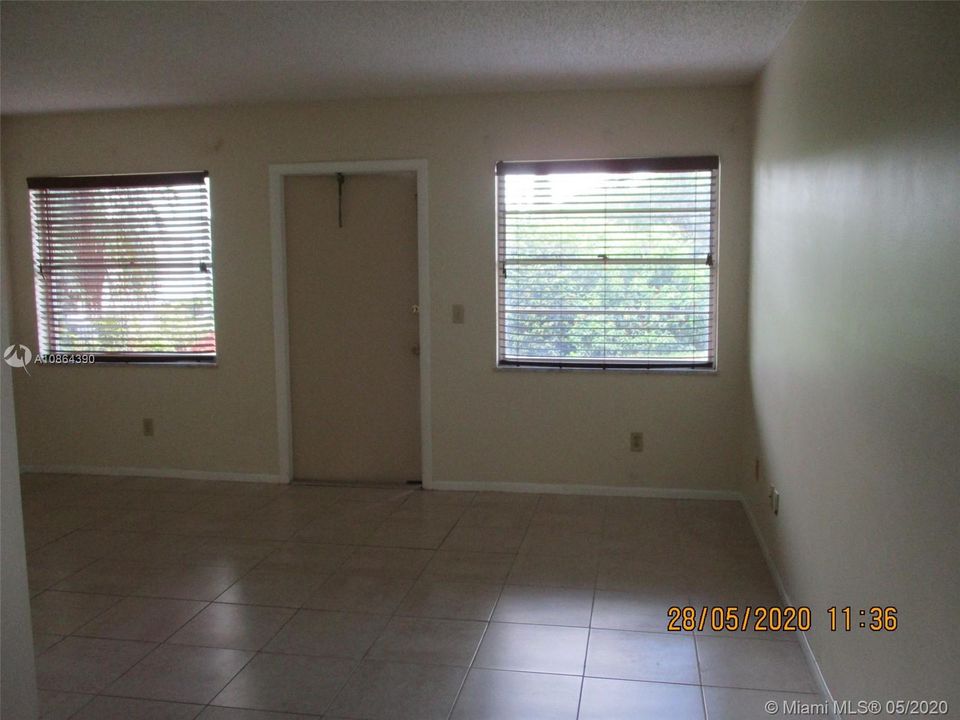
122	181
612	165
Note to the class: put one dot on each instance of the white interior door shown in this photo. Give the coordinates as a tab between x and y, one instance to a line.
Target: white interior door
354	331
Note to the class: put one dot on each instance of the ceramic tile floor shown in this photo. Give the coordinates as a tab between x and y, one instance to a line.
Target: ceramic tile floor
167	599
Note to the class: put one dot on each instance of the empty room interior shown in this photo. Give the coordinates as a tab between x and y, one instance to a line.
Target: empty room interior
480	360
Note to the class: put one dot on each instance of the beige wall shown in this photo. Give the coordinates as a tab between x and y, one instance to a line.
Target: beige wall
507	426
854	336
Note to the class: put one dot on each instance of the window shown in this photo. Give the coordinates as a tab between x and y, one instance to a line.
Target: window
124	267
608	263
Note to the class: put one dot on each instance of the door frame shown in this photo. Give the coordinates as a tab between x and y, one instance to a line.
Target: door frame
281	327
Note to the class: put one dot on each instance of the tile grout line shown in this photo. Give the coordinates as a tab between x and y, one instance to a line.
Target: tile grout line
296	611
503	586
486	624
696	650
473	658
593	605
696	654
252	657
102	693
392	615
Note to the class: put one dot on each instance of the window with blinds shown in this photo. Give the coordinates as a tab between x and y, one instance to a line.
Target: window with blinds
608	263
123	267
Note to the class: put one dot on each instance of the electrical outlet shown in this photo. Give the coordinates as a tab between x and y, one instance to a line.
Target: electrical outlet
148	427
636	442
458	314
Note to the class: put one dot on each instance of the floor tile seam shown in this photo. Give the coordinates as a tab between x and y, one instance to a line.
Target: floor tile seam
123	674
103	694
160	645
516	554
593	603
293	613
476	652
359	663
696	654
78	634
72	633
65	578
51	541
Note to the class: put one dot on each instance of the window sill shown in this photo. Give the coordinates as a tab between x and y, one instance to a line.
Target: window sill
610	369
154	363
66	361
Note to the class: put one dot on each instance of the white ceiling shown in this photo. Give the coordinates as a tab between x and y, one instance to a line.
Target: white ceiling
62	56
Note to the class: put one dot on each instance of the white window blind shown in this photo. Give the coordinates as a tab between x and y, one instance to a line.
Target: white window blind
608	263
124	266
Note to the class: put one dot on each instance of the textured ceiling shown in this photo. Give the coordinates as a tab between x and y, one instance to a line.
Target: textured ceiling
61	56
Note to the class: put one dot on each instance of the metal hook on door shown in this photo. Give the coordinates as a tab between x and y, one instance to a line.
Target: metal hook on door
340	179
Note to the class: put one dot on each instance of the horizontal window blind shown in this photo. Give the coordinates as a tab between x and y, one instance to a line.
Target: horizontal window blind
124	266
608	263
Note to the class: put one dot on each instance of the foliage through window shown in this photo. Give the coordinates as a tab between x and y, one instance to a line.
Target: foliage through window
608	263
123	266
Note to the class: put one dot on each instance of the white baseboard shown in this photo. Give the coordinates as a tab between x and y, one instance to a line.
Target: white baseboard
154	472
479	486
824	689
564	489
